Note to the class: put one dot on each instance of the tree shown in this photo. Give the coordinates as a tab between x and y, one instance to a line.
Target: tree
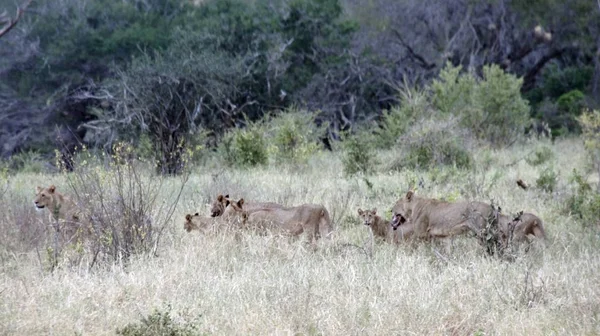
8	22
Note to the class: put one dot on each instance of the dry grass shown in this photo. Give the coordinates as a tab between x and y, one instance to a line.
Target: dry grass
273	285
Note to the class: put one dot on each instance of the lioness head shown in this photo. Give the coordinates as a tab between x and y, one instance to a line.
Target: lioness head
219	205
189	224
44	197
237	211
368	216
402	210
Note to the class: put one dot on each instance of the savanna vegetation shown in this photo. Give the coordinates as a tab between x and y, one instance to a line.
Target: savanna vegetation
143	111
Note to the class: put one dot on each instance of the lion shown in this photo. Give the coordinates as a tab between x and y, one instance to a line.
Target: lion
378	226
310	218
522	228
197	222
66	216
220	205
435	218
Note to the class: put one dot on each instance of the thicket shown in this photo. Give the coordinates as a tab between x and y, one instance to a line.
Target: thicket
98	72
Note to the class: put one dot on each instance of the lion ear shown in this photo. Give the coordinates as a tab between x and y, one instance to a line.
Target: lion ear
409	195
227	196
52	189
374	211
188	217
360	212
220	198
38	189
196	214
240	202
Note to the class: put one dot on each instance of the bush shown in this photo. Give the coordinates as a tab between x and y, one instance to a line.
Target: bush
501	113
584	203
590	127
27	162
120	199
245	147
452	92
159	324
491	107
547	180
396	121
293	136
358	155
434	142
540	156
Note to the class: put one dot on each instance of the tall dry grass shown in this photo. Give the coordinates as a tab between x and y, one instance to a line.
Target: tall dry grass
272	285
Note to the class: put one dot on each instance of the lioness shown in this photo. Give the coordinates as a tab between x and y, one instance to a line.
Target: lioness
63	211
523	226
377	225
435	218
310	218
196	222
220	205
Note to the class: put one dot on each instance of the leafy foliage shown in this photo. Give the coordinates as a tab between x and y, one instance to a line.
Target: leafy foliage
159	323
491	107
358	155
245	147
294	136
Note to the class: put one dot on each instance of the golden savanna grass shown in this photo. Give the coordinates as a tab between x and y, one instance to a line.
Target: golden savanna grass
251	284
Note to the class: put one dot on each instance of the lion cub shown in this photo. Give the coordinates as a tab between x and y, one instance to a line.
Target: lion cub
378	225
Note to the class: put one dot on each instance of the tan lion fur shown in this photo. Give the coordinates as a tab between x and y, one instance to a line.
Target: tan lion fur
377	225
312	219
220	205
435	218
64	214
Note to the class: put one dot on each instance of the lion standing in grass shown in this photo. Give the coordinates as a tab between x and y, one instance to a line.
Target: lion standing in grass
64	213
435	218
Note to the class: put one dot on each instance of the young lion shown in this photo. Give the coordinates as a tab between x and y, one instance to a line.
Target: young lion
62	209
435	218
196	222
378	226
310	218
221	204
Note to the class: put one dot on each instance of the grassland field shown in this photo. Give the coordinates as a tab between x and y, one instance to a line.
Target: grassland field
271	285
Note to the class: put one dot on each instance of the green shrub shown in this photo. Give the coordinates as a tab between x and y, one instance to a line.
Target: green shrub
396	121
294	136
500	114
159	324
434	142
571	103
452	92
491	107
547	180
584	202
245	147
27	162
358	155
540	156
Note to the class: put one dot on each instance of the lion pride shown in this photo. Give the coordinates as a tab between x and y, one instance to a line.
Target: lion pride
435	218
310	218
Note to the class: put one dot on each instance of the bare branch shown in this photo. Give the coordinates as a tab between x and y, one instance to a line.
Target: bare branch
10	23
